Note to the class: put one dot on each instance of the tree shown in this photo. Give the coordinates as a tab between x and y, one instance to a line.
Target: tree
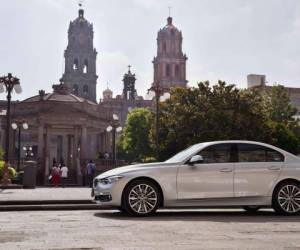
280	107
135	144
285	129
208	113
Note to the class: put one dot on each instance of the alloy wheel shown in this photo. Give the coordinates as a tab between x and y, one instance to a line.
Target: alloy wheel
289	198
143	198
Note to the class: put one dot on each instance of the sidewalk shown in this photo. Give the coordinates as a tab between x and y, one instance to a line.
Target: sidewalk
47	193
46	199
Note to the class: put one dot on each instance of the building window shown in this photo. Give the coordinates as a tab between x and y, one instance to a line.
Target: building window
85	67
85	89
75	64
177	70
168	70
164	47
75	89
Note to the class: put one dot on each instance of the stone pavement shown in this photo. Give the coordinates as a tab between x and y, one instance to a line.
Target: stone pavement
48	194
169	229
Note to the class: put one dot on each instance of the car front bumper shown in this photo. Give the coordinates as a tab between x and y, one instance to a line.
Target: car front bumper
108	194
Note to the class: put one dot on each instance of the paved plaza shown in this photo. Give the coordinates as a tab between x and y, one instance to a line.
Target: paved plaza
169	229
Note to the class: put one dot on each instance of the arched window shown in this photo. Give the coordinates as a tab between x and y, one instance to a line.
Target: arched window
75	64
164	47
75	89
85	89
168	70
85	66
177	70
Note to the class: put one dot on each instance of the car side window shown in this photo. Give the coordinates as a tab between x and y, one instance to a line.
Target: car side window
274	156
220	153
257	153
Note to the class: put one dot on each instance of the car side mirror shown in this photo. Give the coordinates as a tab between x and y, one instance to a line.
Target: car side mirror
196	159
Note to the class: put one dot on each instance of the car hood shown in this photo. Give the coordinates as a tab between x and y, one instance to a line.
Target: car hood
131	168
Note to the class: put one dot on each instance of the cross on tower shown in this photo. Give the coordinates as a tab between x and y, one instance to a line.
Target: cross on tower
129	66
169	7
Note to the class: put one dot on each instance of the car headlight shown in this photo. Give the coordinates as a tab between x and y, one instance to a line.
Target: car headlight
110	179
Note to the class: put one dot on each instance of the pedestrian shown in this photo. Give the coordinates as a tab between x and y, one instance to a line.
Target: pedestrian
106	155
55	173
90	170
64	174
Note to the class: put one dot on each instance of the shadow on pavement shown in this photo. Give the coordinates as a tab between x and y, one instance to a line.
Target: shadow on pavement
214	216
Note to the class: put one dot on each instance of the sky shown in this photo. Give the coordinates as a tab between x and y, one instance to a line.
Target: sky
223	39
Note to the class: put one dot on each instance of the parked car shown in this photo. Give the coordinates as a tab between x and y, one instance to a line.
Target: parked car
246	174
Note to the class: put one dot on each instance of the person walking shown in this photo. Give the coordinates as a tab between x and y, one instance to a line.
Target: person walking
90	169
55	173
64	174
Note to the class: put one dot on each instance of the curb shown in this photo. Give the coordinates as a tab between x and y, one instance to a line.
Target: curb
45	202
50	207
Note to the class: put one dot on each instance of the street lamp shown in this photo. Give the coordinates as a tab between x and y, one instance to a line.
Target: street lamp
18	125
8	83
28	151
114	128
160	94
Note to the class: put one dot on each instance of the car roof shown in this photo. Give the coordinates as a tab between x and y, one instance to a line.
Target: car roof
248	142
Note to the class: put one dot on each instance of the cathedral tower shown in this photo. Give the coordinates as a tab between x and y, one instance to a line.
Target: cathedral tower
170	62
129	91
80	59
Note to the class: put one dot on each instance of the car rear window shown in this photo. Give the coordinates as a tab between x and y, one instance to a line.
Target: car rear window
258	153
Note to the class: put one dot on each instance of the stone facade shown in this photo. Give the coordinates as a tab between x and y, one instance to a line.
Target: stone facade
80	59
170	62
62	126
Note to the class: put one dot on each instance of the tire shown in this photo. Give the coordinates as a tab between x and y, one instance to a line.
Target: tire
286	198
251	209
141	198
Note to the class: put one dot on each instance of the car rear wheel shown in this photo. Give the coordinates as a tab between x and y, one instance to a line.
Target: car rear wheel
286	198
251	209
141	198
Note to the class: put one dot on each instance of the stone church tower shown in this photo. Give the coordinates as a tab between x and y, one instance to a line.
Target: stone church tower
129	91
80	59
170	62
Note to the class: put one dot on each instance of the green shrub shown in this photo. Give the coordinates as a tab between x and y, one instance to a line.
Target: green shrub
12	172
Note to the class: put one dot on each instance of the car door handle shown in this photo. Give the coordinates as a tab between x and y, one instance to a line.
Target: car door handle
274	168
226	170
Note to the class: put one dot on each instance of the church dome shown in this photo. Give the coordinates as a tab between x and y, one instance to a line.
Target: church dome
107	91
107	94
60	93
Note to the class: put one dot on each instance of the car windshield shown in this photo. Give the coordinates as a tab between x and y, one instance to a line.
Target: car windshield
179	157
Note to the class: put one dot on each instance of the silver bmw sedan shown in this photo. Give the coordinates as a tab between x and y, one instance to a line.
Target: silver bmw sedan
243	174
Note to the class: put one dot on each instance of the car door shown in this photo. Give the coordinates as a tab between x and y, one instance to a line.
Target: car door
212	178
257	169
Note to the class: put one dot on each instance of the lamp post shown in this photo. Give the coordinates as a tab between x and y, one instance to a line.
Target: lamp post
28	151
8	83
19	125
114	128
160	94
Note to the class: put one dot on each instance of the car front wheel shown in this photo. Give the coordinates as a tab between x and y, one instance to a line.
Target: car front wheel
286	198
141	198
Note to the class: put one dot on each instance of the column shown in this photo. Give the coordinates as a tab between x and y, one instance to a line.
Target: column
83	146
48	161
76	157
41	141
